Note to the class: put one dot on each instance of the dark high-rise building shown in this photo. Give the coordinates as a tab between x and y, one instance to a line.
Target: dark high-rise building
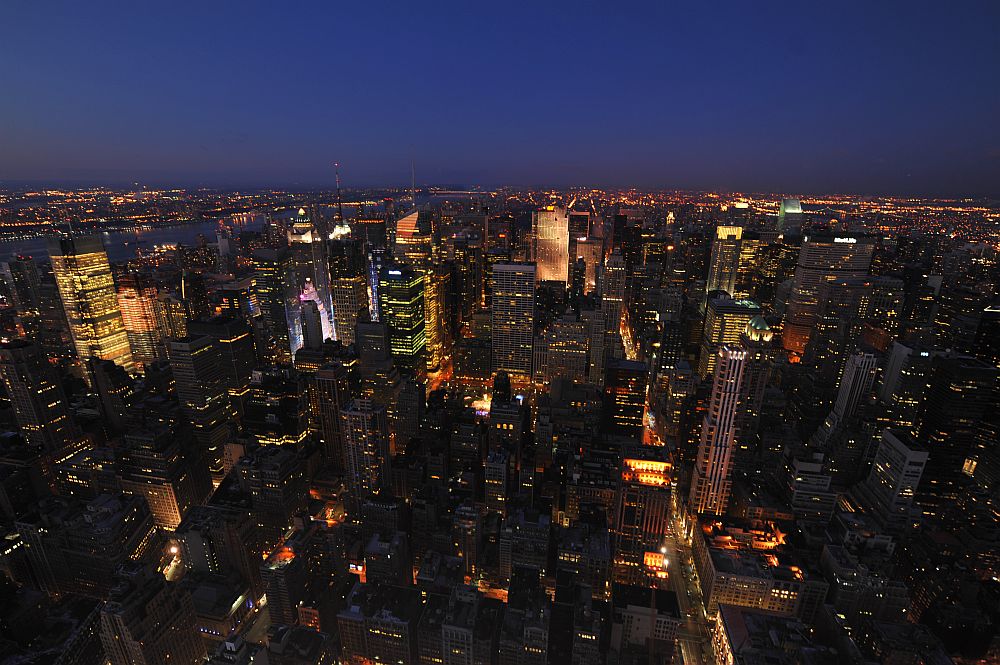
961	391
197	367
37	396
156	463
625	396
149	621
364	428
822	258
277	408
76	547
234	341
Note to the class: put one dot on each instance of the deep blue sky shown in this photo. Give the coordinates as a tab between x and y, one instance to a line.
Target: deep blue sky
796	97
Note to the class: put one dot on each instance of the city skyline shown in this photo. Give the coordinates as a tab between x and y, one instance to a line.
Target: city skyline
802	99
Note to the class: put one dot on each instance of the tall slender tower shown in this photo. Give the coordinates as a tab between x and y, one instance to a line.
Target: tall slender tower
550	230
87	291
38	399
713	469
513	318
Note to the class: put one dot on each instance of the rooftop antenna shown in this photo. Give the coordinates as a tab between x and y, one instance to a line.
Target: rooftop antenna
413	184
340	205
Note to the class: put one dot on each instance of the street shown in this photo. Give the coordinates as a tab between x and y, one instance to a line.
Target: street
694	636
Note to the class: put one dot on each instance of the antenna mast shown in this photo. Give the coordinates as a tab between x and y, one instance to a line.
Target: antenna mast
340	205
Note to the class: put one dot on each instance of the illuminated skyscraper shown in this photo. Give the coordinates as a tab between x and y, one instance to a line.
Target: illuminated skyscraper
822	258
712	480
725	321
350	295
756	340
413	244
143	316
613	291
513	318
312	268
87	290
279	304
725	261
436	283
550	230
36	396
401	307
790	215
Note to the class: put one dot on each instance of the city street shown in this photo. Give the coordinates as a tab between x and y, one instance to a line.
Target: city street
694	636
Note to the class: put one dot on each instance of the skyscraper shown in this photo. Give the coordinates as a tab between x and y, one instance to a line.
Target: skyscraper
513	318
725	261
401	307
725	321
625	396
436	284
197	366
279	304
143	318
87	291
712	479
364	427
350	296
550	230
36	395
889	492
790	215
961	391
822	258
312	268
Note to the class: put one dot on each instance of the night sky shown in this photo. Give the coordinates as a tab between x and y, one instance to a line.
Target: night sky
871	97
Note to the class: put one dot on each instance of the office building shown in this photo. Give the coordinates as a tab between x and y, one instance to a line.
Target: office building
712	481
143	317
822	258
725	321
280	307
197	367
625	386
350	296
889	492
550	231
401	309
87	290
37	396
149	621
513	319
725	260
364	429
